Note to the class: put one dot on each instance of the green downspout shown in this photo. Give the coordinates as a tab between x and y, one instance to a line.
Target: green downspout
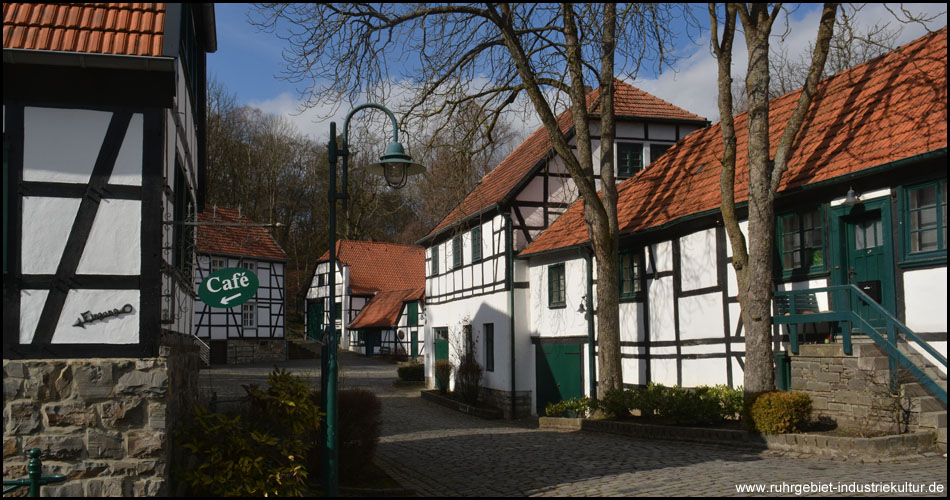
591	361
510	244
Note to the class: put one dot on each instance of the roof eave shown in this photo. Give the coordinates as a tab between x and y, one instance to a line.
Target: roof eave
88	60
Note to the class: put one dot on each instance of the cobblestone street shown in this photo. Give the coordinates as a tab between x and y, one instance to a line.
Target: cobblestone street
438	452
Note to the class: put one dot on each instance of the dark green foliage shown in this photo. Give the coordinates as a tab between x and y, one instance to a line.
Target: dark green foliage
359	424
413	372
261	453
571	408
443	373
468	380
699	406
618	403
780	412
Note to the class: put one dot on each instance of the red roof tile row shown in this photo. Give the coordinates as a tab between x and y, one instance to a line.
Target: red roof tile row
890	108
384	308
241	241
102	28
629	101
377	266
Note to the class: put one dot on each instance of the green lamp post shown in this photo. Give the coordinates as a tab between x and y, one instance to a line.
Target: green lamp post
396	166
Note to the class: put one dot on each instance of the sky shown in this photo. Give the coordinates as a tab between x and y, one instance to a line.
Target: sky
249	61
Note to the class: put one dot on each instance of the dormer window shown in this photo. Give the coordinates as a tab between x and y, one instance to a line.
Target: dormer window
629	159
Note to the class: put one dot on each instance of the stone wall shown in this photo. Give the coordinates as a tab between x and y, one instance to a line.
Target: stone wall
106	424
502	400
852	390
242	351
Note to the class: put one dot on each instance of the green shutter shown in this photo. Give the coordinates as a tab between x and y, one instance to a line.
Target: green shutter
457	252
435	260
412	310
476	244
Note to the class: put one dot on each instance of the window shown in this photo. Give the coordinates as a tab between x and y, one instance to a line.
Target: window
184	211
630	275
457	252
925	220
556	286
435	260
801	242
477	244
249	315
489	347
657	150
469	340
217	264
629	158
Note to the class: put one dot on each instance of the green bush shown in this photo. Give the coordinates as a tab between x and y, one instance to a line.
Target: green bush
570	408
359	425
443	373
779	412
649	399
730	400
699	406
617	403
412	373
261	453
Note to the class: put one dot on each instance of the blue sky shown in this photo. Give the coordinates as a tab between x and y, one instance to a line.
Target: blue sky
247	62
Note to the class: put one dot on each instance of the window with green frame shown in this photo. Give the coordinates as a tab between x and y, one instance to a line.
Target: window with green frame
457	252
631	274
476	243
629	158
925	221
657	150
556	286
801	242
435	260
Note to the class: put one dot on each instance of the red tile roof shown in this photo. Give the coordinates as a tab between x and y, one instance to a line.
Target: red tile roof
383	310
103	28
890	108
377	266
629	102
242	241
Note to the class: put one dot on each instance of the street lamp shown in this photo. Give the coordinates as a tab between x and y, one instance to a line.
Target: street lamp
396	166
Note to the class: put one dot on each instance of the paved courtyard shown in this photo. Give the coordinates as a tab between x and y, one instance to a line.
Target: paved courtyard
439	452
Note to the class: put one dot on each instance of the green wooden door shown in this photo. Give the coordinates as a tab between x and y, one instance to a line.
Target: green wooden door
867	257
558	370
315	320
441	343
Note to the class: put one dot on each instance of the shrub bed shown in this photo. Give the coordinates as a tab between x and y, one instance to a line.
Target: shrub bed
412	373
779	412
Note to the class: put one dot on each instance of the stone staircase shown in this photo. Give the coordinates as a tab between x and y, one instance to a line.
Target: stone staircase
854	390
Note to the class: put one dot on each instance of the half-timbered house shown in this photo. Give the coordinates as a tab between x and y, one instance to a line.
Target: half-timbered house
475	290
385	281
252	331
103	173
863	202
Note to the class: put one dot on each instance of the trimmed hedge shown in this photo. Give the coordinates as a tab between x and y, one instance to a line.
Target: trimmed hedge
412	373
702	405
779	412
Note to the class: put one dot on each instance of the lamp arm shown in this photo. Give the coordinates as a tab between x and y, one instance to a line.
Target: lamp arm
346	122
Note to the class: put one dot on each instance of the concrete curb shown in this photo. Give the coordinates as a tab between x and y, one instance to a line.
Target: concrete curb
813	444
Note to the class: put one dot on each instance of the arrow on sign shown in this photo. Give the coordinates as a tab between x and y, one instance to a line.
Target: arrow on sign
225	301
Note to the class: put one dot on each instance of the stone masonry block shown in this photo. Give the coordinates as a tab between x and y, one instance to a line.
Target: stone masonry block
143	384
10	447
123	413
146	444
56	447
70	414
106	487
23	418
93	381
105	444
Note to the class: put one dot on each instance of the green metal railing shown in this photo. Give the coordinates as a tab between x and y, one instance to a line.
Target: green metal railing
846	300
36	479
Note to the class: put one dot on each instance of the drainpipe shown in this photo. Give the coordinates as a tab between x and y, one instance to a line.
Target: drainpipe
511	302
591	361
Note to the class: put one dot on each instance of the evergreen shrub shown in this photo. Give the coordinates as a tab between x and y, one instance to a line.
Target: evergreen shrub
443	373
414	372
779	412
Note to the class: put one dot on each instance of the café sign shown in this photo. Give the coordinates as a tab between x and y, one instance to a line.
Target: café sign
228	287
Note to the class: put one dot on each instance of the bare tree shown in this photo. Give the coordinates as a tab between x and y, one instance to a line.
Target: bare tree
753	263
448	57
